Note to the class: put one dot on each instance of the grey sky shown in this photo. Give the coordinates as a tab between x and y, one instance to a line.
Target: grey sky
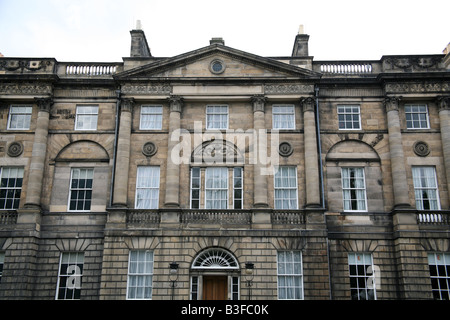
98	30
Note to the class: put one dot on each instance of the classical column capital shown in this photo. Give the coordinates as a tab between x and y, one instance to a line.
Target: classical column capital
259	102
126	104
176	103
443	102
392	103
44	104
307	104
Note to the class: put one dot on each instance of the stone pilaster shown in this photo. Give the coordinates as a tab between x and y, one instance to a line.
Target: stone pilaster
120	198
444	117
311	155
399	181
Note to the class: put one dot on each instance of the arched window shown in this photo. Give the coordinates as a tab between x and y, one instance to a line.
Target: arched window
215	258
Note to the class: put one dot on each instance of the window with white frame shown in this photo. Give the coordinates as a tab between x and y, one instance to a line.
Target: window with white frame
290	275
217	117
439	264
80	193
416	116
19	117
285	188
86	118
425	188
11	179
283	117
151	118
354	189
215	188
147	187
349	117
2	262
140	275
362	276
70	276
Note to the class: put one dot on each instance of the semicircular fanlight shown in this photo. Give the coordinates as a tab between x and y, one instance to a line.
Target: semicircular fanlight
215	258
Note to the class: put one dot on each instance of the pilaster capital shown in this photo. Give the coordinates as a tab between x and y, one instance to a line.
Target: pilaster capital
443	102
126	104
259	102
176	103
392	103
44	104
307	104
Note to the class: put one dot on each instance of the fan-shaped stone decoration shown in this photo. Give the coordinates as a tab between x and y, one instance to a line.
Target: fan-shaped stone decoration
15	149
421	148
149	149
215	258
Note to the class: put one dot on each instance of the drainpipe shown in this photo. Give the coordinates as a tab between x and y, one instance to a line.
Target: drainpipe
322	192
116	132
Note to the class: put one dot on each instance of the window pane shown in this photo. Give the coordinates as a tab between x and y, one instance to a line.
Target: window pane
140	274
285	182
147	187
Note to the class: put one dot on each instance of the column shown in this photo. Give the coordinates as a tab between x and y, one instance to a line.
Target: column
311	156
173	169
444	119
37	165
120	198
260	153
399	181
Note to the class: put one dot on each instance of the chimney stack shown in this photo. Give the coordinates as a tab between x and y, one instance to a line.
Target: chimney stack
301	44
139	45
217	41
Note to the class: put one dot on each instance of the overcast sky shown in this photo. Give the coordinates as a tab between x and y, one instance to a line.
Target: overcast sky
98	30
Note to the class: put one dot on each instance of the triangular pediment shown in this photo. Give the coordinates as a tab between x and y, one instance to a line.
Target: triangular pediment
216	62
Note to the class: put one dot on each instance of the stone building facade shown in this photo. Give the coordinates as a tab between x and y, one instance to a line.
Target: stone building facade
221	174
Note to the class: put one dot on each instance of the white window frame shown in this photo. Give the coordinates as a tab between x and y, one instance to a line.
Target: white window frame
419	113
290	271
241	188
281	188
280	110
154	116
366	279
143	186
143	270
75	259
354	189
346	113
419	188
22	111
441	274
79	114
86	189
212	112
8	189
199	189
216	190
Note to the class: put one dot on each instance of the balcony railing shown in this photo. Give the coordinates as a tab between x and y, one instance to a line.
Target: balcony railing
143	217
433	218
8	217
235	217
293	217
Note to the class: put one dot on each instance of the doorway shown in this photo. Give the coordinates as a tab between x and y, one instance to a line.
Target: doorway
215	287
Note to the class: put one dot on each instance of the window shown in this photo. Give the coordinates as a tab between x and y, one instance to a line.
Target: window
217	117
283	117
354	189
362	276
19	118
11	179
286	194
86	118
290	275
425	188
2	262
151	118
349	117
439	264
70	275
216	188
147	188
140	275
80	195
195	188
416	116
237	188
